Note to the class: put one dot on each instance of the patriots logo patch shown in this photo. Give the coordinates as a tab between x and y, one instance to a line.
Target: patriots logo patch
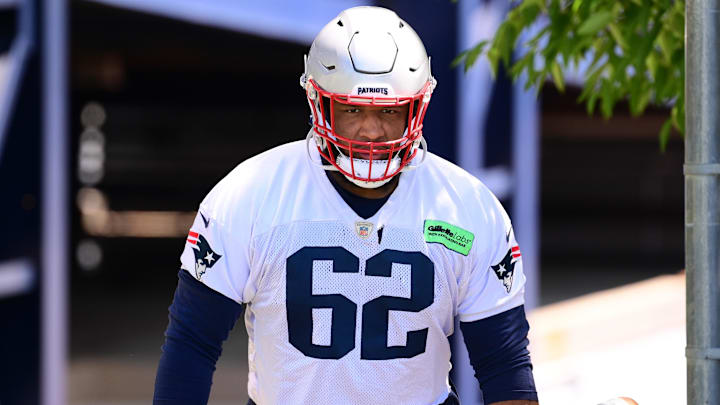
205	257
505	270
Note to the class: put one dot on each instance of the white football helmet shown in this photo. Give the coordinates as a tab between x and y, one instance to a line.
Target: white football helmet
367	56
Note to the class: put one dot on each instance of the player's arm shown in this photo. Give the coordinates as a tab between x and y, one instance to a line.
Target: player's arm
498	352
200	321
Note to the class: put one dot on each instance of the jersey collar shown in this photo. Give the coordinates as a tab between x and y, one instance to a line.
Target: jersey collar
346	214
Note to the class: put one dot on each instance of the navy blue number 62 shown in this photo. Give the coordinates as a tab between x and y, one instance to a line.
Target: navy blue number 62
300	302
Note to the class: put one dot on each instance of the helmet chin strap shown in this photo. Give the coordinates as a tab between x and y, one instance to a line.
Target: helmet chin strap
362	166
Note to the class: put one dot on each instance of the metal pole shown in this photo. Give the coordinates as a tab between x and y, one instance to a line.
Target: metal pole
526	182
702	197
55	202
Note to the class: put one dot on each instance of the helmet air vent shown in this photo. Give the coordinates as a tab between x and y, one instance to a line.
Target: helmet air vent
340	23
401	24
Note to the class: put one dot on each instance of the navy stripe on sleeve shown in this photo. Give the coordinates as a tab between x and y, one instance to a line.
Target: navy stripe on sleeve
498	353
200	321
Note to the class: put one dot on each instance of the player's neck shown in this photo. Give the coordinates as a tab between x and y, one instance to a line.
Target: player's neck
374	193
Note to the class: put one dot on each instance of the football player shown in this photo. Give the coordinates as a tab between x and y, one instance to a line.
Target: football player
352	252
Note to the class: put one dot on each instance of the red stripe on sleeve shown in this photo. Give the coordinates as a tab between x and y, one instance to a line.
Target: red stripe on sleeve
193	234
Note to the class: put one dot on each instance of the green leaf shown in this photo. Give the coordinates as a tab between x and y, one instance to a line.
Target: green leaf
534	40
635	89
667	45
591	79
678	17
662	82
617	36
560	22
637	49
493	57
591	103
557	76
469	56
678	116
641	99
670	88
607	94
595	23
644	15
526	13
534	78
652	64
665	134
461	56
645	45
521	65
576	5
504	41
600	52
678	57
619	71
473	54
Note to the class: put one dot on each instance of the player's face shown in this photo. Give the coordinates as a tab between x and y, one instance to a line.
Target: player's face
370	123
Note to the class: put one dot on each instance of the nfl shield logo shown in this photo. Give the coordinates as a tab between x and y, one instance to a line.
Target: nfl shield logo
363	229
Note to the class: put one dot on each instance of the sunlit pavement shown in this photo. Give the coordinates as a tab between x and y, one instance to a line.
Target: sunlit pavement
627	341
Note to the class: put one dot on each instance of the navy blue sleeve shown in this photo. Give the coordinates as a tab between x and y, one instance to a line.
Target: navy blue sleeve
200	321
498	353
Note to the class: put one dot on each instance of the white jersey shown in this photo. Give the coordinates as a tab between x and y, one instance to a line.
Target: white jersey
346	310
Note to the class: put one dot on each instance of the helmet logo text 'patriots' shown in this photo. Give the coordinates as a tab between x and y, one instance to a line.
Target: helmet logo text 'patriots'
205	257
377	90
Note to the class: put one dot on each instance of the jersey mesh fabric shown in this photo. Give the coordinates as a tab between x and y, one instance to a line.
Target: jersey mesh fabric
285	375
